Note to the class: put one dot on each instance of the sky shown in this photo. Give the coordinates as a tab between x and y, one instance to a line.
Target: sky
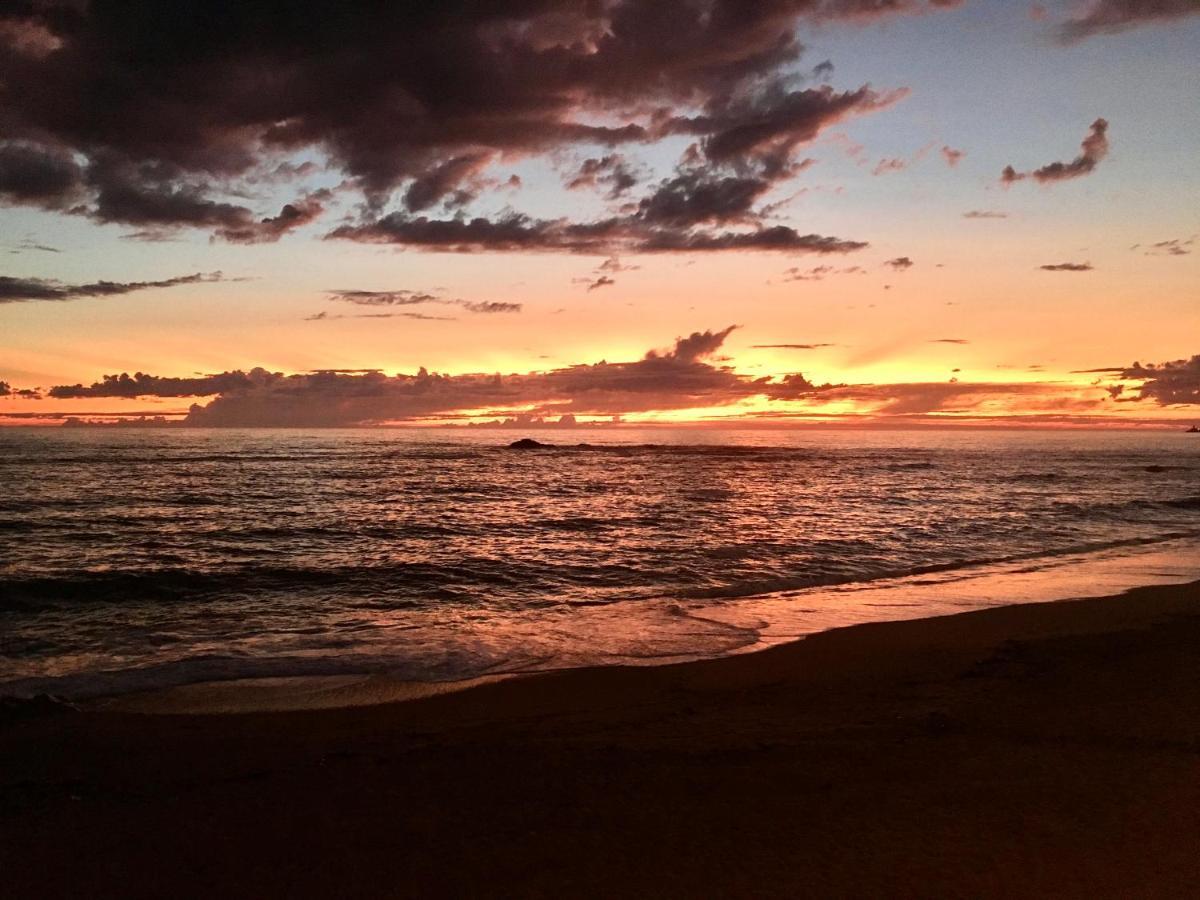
780	212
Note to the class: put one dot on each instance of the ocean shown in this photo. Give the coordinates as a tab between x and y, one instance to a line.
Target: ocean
142	558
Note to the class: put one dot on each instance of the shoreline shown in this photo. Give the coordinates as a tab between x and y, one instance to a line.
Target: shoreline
1023	750
698	629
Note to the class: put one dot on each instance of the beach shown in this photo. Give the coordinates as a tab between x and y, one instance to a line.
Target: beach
1029	750
623	449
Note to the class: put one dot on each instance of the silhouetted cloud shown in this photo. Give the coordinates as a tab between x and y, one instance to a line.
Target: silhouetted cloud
7	390
884	166
900	263
985	214
272	228
1067	267
158	198
163	115
679	377
517	232
686	375
1168	383
953	157
23	290
420	317
1111	16
488	306
790	346
30	244
922	398
445	178
746	149
614	265
404	297
819	273
1093	149
694	197
778	237
602	281
949	341
383	298
143	385
604	272
610	171
1173	247
762	128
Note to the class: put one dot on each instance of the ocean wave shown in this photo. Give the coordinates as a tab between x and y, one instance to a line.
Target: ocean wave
783	584
384	585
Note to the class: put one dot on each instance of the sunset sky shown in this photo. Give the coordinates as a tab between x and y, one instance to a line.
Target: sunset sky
787	211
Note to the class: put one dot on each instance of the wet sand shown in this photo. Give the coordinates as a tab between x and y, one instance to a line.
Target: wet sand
1036	750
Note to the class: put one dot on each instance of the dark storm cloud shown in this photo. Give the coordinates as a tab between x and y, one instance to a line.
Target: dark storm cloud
1111	16
156	195
1067	267
1093	149
159	197
745	151
22	290
33	175
159	115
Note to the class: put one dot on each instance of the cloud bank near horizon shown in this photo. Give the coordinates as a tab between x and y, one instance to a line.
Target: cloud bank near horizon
685	376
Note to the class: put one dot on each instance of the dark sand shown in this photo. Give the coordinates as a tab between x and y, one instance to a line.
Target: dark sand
1047	750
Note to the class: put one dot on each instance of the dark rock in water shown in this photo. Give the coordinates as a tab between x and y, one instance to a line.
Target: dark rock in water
20	709
528	444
